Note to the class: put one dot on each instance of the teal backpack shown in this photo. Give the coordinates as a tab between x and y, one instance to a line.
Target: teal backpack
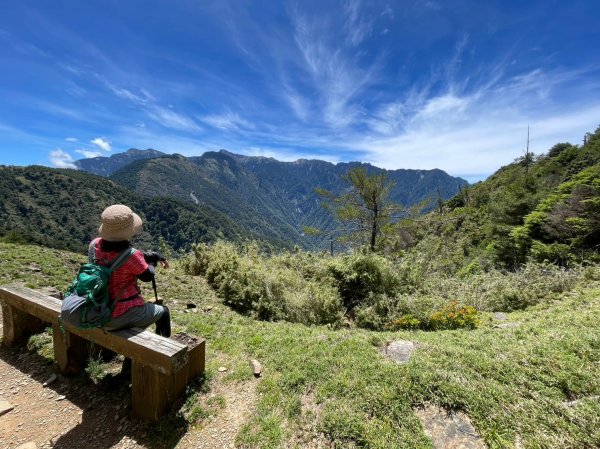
86	304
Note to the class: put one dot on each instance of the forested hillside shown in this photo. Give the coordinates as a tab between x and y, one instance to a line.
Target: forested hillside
61	208
540	208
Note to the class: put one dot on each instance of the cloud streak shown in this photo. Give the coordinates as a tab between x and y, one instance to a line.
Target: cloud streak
228	121
101	143
89	154
61	159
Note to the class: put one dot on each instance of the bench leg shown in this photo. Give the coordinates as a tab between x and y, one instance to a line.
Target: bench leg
71	352
151	392
192	369
18	325
197	357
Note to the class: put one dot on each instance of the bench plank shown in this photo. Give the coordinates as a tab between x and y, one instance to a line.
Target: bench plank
142	346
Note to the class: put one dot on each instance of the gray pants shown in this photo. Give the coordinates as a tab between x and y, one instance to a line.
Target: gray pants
139	316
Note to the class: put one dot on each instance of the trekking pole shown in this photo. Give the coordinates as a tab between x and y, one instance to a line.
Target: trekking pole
157	301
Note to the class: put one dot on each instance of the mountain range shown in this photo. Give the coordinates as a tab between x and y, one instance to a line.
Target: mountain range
191	199
272	198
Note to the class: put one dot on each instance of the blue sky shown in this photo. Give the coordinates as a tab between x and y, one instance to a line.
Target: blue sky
401	84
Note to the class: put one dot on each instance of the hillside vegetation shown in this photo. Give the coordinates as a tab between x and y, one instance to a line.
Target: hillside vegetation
61	208
523	237
540	208
534	385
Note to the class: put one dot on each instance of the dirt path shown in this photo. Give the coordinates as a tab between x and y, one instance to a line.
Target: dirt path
220	431
70	413
76	413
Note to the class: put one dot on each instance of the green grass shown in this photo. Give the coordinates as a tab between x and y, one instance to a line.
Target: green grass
336	385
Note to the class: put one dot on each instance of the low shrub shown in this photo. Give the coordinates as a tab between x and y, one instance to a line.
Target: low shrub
454	316
359	275
405	322
496	290
268	288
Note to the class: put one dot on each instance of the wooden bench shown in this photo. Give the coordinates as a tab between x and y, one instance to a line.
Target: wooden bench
161	367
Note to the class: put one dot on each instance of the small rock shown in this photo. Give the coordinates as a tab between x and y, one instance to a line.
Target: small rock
500	316
5	406
256	368
50	380
60	398
399	350
222	369
449	430
34	268
30	445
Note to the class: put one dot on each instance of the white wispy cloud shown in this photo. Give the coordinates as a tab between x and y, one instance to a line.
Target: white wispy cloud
299	105
335	76
475	129
142	97
61	159
101	143
71	139
358	26
89	154
285	154
171	119
226	121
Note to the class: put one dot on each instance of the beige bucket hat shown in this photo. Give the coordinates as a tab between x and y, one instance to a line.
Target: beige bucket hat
119	222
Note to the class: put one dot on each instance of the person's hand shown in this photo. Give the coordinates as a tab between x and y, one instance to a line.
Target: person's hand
153	258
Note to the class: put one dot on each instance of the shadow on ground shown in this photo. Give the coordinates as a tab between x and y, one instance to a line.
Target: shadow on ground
104	408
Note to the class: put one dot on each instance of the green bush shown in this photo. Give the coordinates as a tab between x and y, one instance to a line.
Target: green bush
359	275
557	253
376	311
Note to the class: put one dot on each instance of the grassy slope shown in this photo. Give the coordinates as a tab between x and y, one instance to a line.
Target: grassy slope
509	381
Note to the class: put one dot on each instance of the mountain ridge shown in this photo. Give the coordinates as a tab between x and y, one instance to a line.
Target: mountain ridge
272	198
106	165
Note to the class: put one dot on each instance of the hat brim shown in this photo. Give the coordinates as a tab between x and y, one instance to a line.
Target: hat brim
122	234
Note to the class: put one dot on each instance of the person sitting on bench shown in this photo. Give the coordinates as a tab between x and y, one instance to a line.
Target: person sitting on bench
119	225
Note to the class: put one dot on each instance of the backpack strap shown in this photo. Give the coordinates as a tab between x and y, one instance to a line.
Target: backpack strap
122	258
92	251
